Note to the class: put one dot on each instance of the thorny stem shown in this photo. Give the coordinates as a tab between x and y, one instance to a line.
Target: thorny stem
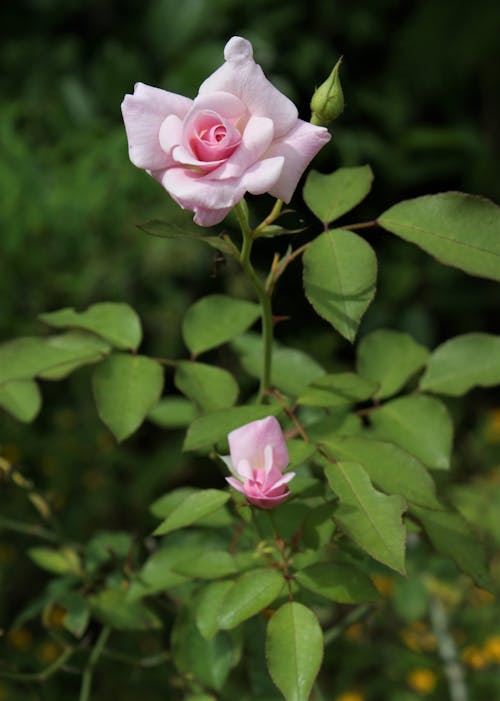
88	672
291	414
447	651
280	544
264	299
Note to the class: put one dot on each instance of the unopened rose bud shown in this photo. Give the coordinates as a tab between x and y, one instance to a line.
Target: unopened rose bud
327	103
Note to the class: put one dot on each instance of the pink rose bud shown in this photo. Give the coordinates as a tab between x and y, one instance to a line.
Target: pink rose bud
240	134
258	457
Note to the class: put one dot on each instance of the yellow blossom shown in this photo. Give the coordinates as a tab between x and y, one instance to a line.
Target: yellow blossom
491	649
350	696
48	652
422	680
20	638
474	657
384	584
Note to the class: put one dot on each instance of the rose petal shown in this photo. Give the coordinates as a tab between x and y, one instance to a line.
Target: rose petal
242	77
194	191
143	114
170	134
249	443
210	217
280	483
225	103
268	502
235	484
298	148
262	176
256	139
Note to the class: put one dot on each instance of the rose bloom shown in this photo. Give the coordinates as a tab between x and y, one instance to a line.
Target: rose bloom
240	134
257	460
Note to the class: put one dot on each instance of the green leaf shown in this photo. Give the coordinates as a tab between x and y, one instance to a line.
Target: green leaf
157	573
340	274
213	564
208	604
389	467
210	387
462	363
371	519
107	546
208	430
318	526
209	661
419	424
250	593
292	370
341	583
294	650
77	616
216	319
82	348
458	229
340	389
115	322
331	196
21	398
113	608
410	598
390	358
192	508
25	358
173	412
188	231
126	387
62	561
163	507
451	536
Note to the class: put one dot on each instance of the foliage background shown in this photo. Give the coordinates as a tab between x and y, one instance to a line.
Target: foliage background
423	108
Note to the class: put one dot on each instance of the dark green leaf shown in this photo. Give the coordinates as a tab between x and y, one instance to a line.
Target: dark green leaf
188	231
208	604
250	593
341	389
21	398
113	608
341	583
340	274
213	564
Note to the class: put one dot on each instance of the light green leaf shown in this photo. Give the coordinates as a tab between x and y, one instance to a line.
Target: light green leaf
188	231
340	389
458	229
341	583
294	650
331	196
250	593
163	507
371	519
207	606
452	536
25	358
21	398
210	387
420	425
65	560
209	661
192	508
292	369
389	467
173	412
157	574
216	319
126	387
82	348
390	358
213	564
113	608
208	430
115	322
462	363
340	274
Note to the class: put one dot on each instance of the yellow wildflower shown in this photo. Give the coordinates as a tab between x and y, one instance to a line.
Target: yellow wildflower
422	680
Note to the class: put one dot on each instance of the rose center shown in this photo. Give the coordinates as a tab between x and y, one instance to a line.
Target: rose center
211	137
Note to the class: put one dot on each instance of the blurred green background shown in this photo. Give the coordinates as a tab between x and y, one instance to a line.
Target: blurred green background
422	90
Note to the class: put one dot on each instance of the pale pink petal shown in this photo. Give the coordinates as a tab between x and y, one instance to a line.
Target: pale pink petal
226	104
298	148
280	483
262	176
170	134
244	469
193	191
199	125
249	443
235	484
242	77
210	217
226	459
255	140
143	114
183	157
268	460
268	502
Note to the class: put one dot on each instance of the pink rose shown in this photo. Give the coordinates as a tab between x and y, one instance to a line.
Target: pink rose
239	135
258	457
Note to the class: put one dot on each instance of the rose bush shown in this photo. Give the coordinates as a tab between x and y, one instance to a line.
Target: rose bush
240	134
257	460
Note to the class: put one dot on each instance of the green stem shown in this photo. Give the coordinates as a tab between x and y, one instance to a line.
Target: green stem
272	216
88	672
45	673
264	299
352	617
26	528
